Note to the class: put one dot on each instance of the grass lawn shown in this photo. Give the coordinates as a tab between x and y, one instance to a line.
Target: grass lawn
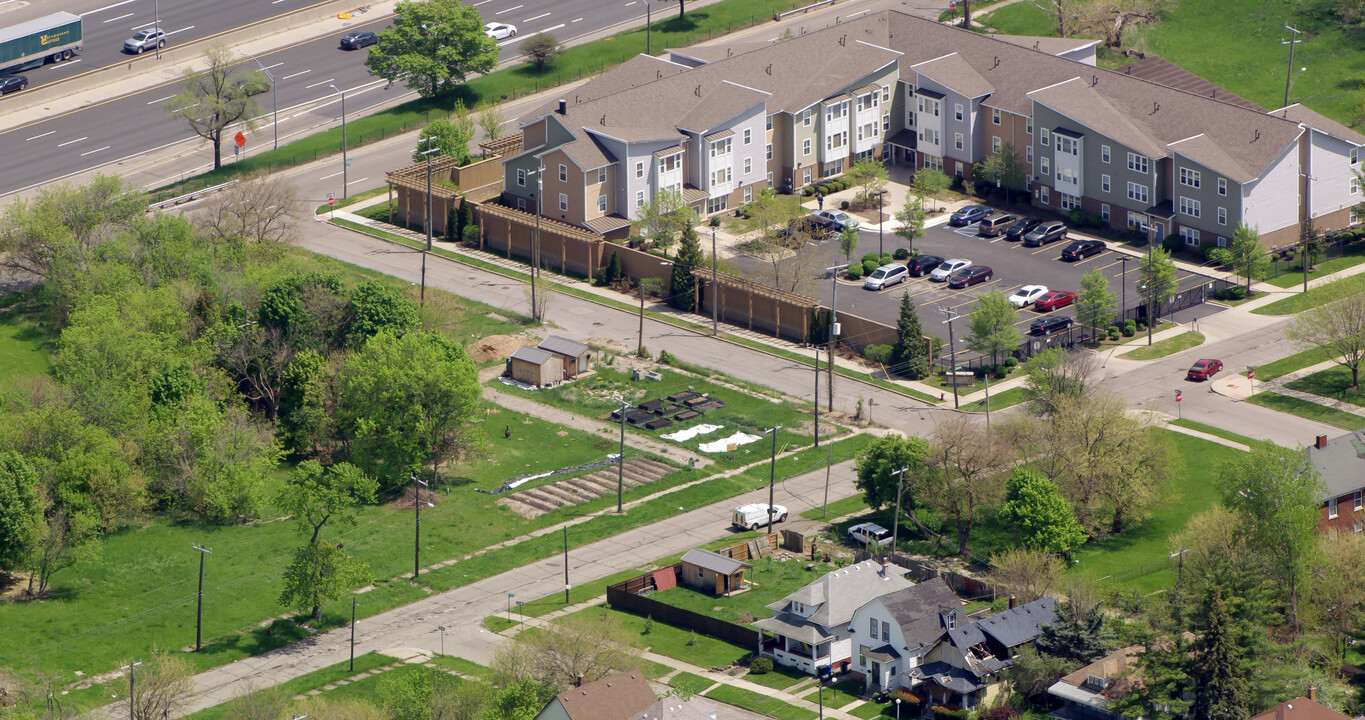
838	508
870	710
1220	432
1334	382
690	684
670	641
1293	272
1007	398
1020	19
304	683
759	703
460	665
1308	410
839	694
498	623
771	580
780	678
25	346
940	381
1169	346
1286	365
1320	295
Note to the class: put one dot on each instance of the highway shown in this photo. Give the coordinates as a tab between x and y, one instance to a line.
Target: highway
111	133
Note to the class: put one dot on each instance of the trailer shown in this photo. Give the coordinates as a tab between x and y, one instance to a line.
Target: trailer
53	38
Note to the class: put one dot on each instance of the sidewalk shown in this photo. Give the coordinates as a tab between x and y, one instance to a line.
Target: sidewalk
1239	387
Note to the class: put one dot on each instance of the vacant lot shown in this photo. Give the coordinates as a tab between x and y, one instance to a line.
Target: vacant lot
25	346
771	580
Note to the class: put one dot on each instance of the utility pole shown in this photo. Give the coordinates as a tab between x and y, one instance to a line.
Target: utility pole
199	605
896	521
772	476
353	603
880	249
417	485
621	458
715	289
132	672
274	98
987	378
817	394
829	460
649	38
566	565
1123	311
345	163
833	328
1289	70
952	349
427	154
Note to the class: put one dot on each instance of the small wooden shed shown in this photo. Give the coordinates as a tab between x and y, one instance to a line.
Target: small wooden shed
712	572
534	366
576	356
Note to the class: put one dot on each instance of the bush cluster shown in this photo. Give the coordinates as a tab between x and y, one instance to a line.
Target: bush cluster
900	254
855	271
880	354
1236	292
761	666
1080	218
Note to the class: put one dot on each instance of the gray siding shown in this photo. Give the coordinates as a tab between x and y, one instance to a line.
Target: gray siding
1093	166
1208	198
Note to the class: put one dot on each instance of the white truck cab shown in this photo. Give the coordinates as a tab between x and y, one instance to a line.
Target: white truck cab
755	516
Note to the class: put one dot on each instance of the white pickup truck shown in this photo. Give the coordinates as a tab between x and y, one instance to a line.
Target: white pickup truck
755	516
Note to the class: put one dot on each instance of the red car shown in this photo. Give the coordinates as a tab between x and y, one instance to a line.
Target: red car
1053	300
1204	369
970	276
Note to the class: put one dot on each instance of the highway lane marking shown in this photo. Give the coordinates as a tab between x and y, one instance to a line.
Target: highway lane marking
576	20
481	2
305	72
505	43
72	142
508	10
121	17
1092	257
529	20
168	97
35	137
632	2
324	82
329	177
108	7
357	181
92	152
183	29
267	67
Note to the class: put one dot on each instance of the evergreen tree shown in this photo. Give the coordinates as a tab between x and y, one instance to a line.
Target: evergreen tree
1078	634
615	271
683	287
1221	669
1166	681
466	214
911	353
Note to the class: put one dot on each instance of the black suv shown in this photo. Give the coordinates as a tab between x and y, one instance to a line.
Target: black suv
1050	324
1020	228
358	39
1045	233
923	265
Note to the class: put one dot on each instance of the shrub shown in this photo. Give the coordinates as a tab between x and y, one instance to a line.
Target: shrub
667	358
957	184
855	272
1078	218
649	625
886	259
870	265
1113	332
807	191
942	712
1205	248
471	235
1011	362
874	257
999	712
1236	292
1000	372
715	221
900	254
822	189
1141	326
1172	242
880	354
761	666
1129	328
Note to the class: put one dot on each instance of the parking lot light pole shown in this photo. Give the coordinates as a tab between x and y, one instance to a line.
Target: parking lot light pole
199	604
345	189
952	350
274	99
715	291
1123	284
880	250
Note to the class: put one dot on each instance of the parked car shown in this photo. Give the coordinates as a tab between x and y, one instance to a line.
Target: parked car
970	276
500	31
886	276
1027	294
1020	228
1046	232
803	228
1204	369
995	224
835	220
922	265
358	39
1050	324
869	534
755	516
967	215
1082	249
12	83
144	40
946	268
1054	299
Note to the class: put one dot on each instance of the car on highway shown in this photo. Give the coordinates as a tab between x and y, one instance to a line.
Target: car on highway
886	276
144	40
1081	249
1050	324
870	534
946	269
970	276
1053	300
754	516
921	265
995	224
1050	231
12	83
500	31
358	39
967	215
835	220
1020	228
1204	369
1027	294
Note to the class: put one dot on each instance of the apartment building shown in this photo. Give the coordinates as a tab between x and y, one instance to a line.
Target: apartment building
716	124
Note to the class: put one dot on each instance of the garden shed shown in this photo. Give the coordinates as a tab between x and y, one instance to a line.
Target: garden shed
712	572
576	356
534	366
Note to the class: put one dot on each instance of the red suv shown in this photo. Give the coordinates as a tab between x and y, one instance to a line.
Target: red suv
1053	300
1204	369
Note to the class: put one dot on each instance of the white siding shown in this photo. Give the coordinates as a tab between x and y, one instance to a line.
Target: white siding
1271	202
1329	187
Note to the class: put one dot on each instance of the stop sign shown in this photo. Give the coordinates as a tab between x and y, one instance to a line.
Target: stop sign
1178	395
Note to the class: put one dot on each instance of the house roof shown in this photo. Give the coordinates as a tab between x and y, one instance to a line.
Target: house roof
535	356
948	676
1340	465
725	101
636	71
1325	125
884	654
1022	624
606	223
1049	45
615	697
1081	102
952	71
1300	708
1108	668
795	627
1159	70
919	610
563	346
1206	152
714	562
672	708
838	594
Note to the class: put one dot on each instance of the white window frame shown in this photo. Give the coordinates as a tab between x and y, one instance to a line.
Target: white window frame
1189	178
872	627
995	116
1105	154
1139	164
886	631
1105	183
748	193
886	93
722	146
521	204
770	122
1137	192
1068	202
602	203
563	172
1044	195
1190	207
770	179
563	202
1222	186
957	111
886	122
1044	137
1222	216
640	169
1104	212
805	147
639	198
1045	167
957	141
601	175
1028	154
521	177
1190	235
748	165
995	144
748	135
1331	508
1028	126
770	151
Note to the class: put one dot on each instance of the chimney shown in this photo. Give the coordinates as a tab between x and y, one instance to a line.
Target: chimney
563	108
1313	693
578	681
1321	442
1013	602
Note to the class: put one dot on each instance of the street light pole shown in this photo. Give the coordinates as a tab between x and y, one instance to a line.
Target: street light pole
817	394
715	289
274	99
1123	283
199	605
880	250
648	37
156	15
132	672
952	350
772	476
345	163
833	327
1289	71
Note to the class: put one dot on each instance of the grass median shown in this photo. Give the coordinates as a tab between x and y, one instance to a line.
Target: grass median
1309	410
1315	297
1169	346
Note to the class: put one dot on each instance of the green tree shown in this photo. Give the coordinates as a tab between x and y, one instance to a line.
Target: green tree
308	399
1039	513
1032	672
1338	327
663	217
315	496
408	402
218	98
379	307
1157	283
449	135
542	49
1220	671
1055	375
928	183
683	284
870	176
1096	305
992	330
21	511
1167	682
910	355
319	574
311	309
1245	256
848	242
911	220
1004	169
433	46
876	469
1079	633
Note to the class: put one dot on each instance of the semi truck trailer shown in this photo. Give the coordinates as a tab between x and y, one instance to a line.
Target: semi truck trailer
53	38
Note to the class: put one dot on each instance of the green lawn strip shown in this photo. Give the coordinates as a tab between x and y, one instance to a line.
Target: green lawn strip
870	710
631	308
1018	19
1211	430
771	581
838	695
940	381
1308	410
780	678
1286	365
1000	401
664	639
464	667
689	683
352	199
1334	382
1293	273
25	345
1169	346
759	703
312	681
498	623
838	508
1321	295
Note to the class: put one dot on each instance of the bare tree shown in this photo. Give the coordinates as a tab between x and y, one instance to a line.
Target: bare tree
64	224
1056	374
164	685
261	209
257	358
590	645
1338	327
1026	573
1067	13
491	122
216	98
968	462
1111	18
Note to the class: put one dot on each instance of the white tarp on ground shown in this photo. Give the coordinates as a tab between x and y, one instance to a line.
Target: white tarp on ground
737	439
689	433
516	383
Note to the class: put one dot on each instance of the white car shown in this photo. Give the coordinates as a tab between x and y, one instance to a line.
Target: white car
500	31
886	276
947	268
1027	294
870	534
755	516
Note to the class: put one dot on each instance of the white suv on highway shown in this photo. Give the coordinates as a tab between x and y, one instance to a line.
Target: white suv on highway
144	40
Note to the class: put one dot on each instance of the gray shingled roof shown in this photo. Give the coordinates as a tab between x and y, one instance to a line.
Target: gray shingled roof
1301	114
839	594
919	610
1023	624
1080	102
794	627
1048	45
714	562
1341	465
563	346
1206	152
723	103
535	356
636	71
1159	70
954	72
674	708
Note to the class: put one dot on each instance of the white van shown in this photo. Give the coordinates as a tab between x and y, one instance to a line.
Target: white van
755	516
